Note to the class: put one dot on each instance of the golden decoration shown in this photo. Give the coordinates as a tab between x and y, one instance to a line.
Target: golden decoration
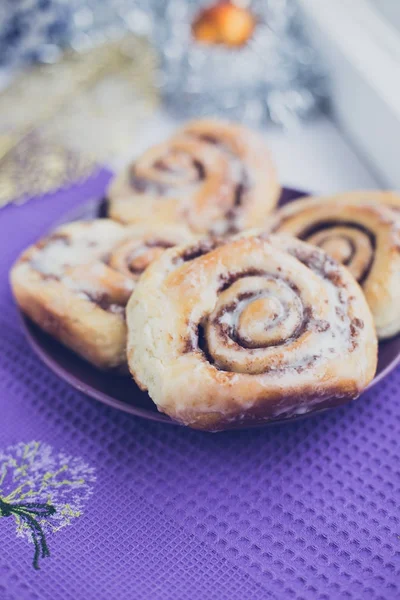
224	23
58	121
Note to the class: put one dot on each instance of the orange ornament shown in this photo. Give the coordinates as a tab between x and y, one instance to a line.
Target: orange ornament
224	23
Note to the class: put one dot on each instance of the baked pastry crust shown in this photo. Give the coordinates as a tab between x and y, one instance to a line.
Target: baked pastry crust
63	287
76	282
145	242
386	198
257	329
361	230
213	176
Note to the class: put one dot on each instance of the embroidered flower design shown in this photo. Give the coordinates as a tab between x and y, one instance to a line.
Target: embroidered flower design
42	490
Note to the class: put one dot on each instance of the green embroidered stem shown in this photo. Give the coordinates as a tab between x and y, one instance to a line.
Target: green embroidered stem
27	512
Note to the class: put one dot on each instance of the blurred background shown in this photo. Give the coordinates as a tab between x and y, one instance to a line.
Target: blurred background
90	83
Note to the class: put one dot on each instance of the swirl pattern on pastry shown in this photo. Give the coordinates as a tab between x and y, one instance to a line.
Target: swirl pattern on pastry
363	236
143	244
258	328
75	283
73	244
213	176
389	199
62	284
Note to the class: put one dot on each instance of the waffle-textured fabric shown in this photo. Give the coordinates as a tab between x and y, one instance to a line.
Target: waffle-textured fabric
304	511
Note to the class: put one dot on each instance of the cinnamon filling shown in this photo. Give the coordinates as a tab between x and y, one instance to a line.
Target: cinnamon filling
262	321
320	263
241	188
199	249
203	346
177	164
143	184
271	314
105	302
342	247
264	317
229	279
140	258
209	139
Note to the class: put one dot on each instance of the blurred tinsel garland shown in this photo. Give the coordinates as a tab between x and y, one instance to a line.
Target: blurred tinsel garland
96	74
59	121
275	75
39	30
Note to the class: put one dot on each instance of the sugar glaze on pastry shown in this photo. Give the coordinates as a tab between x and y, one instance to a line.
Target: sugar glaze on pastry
362	231
255	329
214	177
76	282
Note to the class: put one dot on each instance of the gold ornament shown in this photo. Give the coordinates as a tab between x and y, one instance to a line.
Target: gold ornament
57	122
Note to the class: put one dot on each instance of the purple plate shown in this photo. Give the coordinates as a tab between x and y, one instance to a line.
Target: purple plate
121	392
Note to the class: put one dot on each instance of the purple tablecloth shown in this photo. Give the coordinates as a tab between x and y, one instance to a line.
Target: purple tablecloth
146	511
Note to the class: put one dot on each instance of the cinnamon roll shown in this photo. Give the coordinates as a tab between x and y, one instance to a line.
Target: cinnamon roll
143	244
76	283
386	198
212	176
362	235
255	329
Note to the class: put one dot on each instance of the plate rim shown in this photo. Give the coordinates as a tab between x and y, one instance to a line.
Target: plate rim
77	384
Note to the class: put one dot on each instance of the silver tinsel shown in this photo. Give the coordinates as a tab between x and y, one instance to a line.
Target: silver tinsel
276	75
39	30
